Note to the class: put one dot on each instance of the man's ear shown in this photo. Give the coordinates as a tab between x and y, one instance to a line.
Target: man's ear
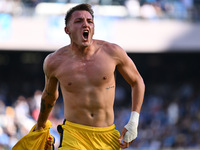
67	30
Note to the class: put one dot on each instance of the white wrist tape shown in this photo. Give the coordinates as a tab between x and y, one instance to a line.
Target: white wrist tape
132	126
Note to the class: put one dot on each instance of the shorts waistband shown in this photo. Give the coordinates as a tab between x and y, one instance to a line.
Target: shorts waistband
89	128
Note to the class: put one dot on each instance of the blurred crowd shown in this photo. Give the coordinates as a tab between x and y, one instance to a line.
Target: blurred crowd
169	117
146	9
18	119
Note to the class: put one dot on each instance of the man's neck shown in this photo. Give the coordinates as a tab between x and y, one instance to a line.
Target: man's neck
83	51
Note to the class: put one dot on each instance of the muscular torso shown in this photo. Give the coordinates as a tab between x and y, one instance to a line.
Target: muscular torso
88	86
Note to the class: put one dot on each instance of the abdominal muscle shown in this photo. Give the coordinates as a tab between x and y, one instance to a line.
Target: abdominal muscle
90	107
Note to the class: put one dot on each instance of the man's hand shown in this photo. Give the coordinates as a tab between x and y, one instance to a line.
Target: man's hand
124	144
129	132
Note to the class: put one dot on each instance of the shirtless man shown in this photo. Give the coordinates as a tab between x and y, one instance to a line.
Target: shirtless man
84	70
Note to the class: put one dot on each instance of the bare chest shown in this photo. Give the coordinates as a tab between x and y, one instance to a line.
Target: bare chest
74	73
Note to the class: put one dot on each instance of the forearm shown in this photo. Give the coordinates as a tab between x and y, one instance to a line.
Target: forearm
44	113
137	99
138	90
47	103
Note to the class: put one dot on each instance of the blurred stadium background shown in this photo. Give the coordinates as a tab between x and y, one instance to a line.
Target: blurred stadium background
161	36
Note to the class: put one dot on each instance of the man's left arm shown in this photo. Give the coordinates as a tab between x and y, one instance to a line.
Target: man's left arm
130	73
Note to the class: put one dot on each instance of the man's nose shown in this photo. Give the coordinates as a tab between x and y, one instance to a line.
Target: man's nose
85	23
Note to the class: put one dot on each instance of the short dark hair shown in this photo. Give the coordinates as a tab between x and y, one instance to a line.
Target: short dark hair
83	6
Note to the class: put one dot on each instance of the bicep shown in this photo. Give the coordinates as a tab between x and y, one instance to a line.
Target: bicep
51	82
125	65
128	70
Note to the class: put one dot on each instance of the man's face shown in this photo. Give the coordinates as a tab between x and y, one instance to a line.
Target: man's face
81	28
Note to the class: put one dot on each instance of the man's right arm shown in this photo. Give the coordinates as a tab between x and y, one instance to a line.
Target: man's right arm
49	95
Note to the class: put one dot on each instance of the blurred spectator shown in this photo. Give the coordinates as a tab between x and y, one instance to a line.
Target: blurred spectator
34	104
23	118
2	107
148	11
196	10
21	108
173	113
31	3
133	7
13	7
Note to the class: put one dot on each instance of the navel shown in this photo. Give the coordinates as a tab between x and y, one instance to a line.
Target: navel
92	115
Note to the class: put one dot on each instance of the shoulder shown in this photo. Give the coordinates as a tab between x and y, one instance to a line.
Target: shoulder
114	50
109	47
53	60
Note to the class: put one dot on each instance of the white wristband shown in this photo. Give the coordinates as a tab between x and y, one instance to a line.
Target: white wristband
131	126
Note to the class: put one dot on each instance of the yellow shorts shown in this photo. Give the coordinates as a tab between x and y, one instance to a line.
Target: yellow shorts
80	137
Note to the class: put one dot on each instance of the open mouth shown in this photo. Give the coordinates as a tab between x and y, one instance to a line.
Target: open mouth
85	34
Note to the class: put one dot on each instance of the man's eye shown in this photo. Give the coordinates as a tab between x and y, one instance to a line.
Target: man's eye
77	21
